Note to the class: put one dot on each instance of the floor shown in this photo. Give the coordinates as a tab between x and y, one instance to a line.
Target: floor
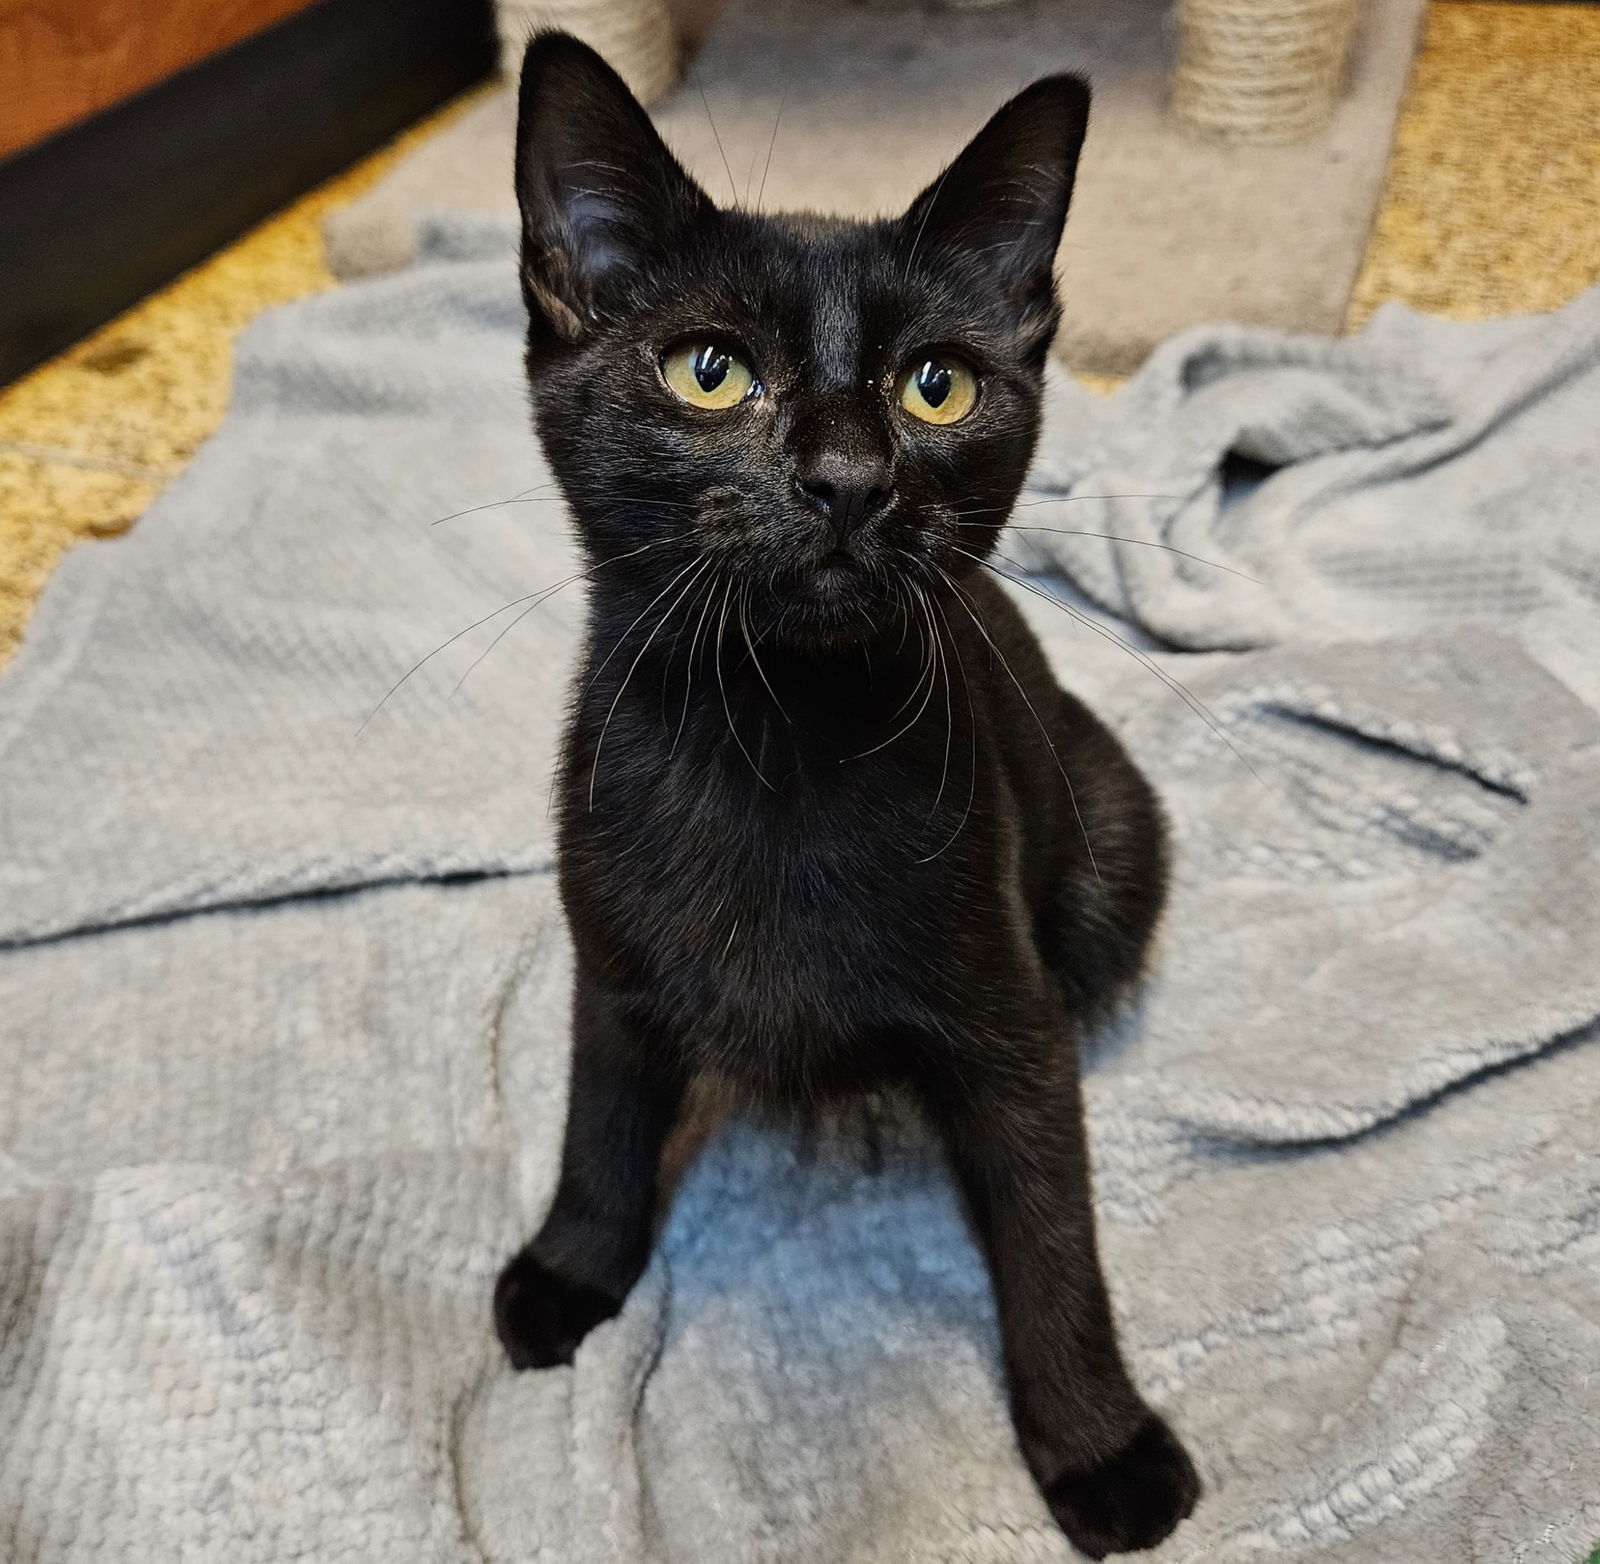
1492	206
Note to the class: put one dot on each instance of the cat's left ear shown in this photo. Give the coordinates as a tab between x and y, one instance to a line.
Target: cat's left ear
1001	205
600	194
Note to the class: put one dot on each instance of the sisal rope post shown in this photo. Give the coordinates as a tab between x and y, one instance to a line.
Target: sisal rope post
635	36
1261	70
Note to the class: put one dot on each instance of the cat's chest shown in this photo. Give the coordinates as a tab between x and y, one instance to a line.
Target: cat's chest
803	905
711	846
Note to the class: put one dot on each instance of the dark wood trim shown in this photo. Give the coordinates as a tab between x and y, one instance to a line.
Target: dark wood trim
107	211
63	60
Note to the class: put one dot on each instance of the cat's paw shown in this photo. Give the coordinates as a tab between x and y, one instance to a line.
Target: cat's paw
541	1317
1133	1501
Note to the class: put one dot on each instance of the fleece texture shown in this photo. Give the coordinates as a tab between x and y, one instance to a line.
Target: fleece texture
283	993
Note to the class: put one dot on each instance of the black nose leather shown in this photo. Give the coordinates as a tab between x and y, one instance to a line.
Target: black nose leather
846	488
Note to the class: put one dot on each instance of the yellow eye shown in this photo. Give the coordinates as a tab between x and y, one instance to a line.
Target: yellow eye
706	374
938	390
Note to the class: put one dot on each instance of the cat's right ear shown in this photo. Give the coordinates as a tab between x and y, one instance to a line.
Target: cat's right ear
600	193
1000	206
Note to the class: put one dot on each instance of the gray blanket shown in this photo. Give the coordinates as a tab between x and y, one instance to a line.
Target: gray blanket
283	989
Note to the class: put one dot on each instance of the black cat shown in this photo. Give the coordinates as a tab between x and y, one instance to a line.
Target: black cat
827	822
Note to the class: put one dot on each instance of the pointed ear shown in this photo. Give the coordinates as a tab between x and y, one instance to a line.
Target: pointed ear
600	193
1002	204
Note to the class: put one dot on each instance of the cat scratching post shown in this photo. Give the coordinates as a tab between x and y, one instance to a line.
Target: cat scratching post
1261	70
635	36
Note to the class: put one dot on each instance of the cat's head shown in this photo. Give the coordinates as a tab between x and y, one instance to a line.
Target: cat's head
817	415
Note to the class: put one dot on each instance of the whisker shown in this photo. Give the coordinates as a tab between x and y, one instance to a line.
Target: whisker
1112	537
1194	702
666	670
776	121
421	661
1053	499
616	700
523	615
949	721
516	499
1069	499
499	637
972	738
929	673
618	644
694	646
530	598
905	622
927	670
911	255
1178	688
1072	795
529	497
705	103
722	624
922	673
744	626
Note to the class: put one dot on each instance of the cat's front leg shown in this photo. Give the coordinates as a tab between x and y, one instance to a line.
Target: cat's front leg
625	1093
1114	1476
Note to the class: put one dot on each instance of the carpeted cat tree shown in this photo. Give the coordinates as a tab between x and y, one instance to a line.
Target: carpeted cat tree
1249	70
1235	159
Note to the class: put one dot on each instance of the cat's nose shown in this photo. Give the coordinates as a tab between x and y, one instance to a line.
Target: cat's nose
846	488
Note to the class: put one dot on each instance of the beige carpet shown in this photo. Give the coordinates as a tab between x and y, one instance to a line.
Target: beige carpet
1169	228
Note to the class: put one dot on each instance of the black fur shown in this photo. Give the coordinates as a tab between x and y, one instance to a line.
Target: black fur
827	822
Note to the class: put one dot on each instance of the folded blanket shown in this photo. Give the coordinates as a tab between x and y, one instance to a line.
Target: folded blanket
283	984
